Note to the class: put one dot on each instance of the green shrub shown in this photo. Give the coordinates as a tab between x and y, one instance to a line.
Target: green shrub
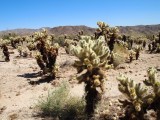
61	104
120	54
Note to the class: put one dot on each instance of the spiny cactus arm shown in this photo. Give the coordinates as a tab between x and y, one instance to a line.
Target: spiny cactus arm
77	51
152	77
140	91
156	88
134	92
122	79
105	54
111	66
123	87
103	64
100	46
148	99
137	48
85	37
114	30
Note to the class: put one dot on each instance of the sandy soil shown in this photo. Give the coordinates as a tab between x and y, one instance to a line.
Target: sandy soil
21	86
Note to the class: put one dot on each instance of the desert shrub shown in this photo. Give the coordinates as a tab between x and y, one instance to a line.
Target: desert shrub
120	53
59	103
60	40
7	36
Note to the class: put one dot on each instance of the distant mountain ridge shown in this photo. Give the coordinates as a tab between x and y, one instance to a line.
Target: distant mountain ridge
72	30
140	29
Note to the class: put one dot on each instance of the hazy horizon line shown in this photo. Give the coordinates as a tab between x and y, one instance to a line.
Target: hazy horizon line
36	28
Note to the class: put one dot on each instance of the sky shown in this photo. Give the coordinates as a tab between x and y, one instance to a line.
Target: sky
52	13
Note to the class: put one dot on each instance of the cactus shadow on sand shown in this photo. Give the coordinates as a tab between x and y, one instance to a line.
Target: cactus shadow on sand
30	75
44	79
2	61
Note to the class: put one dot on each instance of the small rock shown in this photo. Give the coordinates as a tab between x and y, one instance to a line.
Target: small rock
2	109
31	107
45	88
55	83
110	103
13	116
136	63
18	93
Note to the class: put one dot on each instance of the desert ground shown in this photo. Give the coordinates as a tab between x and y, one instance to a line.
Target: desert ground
21	86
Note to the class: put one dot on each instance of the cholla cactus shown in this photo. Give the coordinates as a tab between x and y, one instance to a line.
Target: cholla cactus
31	46
48	52
159	37
40	62
15	40
155	84
90	52
5	52
124	38
102	30
149	46
5	41
158	48
139	100
131	54
41	35
92	55
110	33
154	46
151	72
144	43
67	43
52	56
152	80
20	50
137	50
136	94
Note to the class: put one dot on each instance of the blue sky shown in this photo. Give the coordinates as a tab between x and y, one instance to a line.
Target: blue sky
52	13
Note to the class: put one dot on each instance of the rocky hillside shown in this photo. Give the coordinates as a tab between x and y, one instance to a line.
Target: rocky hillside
140	29
71	30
